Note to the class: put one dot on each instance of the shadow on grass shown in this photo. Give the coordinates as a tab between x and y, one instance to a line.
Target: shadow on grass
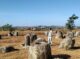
11	49
75	48
61	56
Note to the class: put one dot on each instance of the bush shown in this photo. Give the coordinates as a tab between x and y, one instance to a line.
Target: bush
7	27
70	23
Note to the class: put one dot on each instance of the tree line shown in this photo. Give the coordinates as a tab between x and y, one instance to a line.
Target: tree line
70	25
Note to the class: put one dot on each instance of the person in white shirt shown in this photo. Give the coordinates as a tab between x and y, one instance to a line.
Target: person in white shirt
50	36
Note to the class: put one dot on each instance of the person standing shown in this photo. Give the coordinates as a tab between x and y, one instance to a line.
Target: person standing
50	36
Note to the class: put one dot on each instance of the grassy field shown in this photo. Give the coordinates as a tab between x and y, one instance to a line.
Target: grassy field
21	53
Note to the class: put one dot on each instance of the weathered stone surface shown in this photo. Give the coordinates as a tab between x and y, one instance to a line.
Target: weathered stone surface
10	34
39	40
16	33
67	43
33	37
59	34
39	51
27	40
70	34
77	33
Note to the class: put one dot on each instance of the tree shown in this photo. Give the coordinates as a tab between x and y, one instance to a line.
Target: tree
7	27
70	22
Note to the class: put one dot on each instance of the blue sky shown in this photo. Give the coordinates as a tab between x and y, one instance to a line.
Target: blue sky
38	12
